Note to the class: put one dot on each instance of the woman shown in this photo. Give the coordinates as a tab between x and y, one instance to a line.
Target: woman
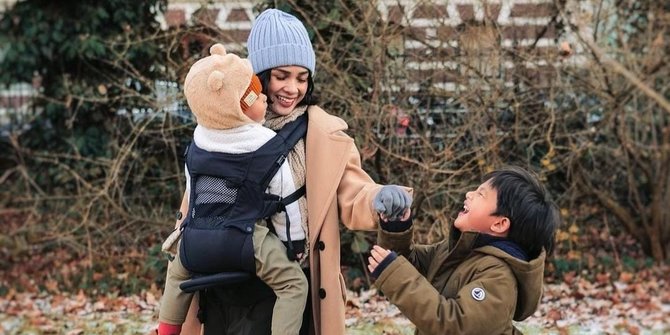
338	190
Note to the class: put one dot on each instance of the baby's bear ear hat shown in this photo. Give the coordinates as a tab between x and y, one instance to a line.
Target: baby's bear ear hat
215	86
216	78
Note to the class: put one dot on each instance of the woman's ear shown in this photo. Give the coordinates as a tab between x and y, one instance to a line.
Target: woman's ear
501	226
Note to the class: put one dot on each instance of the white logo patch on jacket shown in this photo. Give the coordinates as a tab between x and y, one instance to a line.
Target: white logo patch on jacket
478	293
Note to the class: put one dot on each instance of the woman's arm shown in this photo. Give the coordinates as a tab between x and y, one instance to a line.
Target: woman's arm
356	193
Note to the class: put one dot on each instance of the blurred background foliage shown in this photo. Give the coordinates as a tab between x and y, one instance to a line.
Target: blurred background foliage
92	175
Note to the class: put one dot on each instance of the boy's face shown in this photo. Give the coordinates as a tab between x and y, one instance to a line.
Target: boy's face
256	111
477	211
287	88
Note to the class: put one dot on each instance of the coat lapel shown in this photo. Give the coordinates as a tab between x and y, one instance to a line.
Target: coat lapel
326	158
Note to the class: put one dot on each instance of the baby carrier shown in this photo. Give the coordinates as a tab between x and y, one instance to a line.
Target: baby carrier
227	198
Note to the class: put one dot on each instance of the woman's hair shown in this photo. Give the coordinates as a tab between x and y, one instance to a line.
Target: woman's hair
533	216
309	99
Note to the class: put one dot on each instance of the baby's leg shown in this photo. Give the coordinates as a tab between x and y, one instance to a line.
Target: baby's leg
284	277
192	325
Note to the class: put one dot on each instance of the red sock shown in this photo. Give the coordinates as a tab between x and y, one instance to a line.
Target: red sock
168	329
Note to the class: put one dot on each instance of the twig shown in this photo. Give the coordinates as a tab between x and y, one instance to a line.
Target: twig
622	70
611	240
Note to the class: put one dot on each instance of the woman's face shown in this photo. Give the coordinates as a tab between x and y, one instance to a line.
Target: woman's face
286	88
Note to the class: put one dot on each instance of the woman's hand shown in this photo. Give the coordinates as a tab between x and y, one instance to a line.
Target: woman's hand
392	203
377	255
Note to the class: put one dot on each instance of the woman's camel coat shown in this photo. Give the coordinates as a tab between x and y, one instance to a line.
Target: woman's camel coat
338	190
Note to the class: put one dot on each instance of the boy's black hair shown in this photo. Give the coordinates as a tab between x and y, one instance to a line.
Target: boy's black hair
309	99
533	216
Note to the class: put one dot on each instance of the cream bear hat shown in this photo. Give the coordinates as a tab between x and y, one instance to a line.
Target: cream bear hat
219	88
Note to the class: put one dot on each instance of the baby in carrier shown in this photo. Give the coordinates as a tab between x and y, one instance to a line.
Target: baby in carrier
229	196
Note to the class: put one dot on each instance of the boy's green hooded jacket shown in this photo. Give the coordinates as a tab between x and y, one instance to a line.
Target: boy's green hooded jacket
453	287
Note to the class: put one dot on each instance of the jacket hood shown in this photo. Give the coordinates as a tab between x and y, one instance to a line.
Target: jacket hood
529	276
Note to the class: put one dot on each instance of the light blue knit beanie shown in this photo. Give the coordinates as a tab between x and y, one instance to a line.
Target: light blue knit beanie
279	39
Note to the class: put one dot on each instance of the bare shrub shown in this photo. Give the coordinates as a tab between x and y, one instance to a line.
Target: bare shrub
433	106
437	106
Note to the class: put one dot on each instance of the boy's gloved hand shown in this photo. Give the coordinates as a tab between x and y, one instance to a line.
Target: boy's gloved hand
392	202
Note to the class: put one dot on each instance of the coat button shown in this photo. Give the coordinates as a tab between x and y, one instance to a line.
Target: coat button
178	215
321	245
322	293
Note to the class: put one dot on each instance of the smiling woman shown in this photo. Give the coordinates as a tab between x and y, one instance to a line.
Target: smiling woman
338	190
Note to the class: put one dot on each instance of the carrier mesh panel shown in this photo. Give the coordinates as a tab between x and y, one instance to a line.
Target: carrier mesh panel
213	190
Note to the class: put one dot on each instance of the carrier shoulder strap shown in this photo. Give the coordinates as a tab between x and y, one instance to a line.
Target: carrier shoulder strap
282	143
297	194
285	140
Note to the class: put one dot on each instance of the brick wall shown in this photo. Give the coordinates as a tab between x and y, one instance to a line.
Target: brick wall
6	4
522	21
438	25
232	18
475	31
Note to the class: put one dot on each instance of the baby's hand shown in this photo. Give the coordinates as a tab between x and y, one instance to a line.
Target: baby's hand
300	258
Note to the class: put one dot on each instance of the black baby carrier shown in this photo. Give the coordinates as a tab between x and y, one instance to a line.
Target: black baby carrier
227	197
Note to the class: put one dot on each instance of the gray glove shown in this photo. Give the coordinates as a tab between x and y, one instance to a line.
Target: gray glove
391	202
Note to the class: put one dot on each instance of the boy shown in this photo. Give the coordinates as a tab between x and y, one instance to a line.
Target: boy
225	96
490	270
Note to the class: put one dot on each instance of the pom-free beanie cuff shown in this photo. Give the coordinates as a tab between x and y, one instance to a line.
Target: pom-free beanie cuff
283	55
279	39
